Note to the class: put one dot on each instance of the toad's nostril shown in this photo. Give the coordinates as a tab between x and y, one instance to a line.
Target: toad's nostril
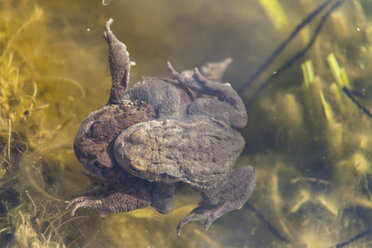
139	137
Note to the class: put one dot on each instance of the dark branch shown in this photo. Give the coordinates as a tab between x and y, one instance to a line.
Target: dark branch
275	54
267	223
355	238
298	55
354	100
360	95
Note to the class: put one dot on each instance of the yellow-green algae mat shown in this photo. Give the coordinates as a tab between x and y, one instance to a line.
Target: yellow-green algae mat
310	145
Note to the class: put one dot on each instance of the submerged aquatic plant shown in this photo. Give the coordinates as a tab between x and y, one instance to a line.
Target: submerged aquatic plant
321	175
34	145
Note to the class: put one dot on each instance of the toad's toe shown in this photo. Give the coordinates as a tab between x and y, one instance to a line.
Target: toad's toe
83	202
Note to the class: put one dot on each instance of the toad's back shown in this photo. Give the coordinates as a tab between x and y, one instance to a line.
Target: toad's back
198	150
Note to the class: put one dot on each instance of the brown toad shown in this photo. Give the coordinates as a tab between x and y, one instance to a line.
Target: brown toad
161	132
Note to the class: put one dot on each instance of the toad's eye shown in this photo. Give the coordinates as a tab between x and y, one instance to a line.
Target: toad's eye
94	125
139	164
139	137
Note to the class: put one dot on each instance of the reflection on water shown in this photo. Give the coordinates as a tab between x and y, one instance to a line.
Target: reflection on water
311	146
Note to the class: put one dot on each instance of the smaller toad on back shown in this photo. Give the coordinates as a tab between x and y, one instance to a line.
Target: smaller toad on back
161	132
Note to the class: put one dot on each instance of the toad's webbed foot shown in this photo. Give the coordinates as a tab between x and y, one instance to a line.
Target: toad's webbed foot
119	64
133	195
184	78
211	70
233	194
215	70
229	105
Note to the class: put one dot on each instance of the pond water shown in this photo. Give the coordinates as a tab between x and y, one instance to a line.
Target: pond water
310	143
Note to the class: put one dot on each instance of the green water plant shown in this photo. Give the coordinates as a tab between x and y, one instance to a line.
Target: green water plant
319	180
32	149
275	12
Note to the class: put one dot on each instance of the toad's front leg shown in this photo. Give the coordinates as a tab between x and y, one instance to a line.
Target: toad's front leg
134	194
232	194
229	106
163	197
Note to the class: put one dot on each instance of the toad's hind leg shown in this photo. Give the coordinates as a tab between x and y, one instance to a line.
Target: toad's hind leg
133	195
119	64
215	70
232	194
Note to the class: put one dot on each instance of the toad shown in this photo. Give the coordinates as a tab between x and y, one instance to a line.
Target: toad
163	132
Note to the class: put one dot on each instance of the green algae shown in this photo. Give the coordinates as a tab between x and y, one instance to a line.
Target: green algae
310	145
35	140
276	13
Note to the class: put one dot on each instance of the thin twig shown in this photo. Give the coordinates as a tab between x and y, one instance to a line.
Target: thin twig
354	100
298	55
271	228
275	54
355	238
